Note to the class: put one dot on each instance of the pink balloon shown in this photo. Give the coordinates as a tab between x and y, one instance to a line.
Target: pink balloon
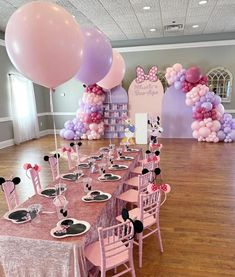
193	74
45	43
195	134
195	125
204	132
115	74
216	126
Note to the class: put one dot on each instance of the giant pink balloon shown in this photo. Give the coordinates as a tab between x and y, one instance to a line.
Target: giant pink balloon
44	42
193	74
116	72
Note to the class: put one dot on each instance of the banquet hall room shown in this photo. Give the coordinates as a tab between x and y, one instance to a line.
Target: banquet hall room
117	138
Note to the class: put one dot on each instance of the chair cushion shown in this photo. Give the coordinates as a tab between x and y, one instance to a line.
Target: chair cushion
93	254
137	170
130	195
132	182
135	214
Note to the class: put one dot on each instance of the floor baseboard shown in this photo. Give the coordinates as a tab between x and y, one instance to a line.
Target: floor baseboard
6	143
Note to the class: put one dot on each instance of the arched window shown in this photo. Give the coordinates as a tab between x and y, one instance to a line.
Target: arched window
162	78
220	81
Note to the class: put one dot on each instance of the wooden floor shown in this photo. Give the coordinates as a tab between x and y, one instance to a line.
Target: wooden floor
198	219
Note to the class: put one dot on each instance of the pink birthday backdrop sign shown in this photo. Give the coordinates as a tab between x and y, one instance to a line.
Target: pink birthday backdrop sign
145	93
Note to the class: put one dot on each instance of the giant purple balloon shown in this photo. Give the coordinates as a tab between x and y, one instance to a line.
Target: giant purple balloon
97	57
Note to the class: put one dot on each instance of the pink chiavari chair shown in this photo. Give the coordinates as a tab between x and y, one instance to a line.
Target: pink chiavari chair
147	165
113	249
132	195
35	180
68	151
148	213
8	187
53	162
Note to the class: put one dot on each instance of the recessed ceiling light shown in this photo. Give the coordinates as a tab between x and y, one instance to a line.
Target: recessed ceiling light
203	2
152	30
73	15
195	26
146	8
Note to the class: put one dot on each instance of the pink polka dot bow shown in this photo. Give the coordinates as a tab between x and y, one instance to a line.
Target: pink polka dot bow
141	76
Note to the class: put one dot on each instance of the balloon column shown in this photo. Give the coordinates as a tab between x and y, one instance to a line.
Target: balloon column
211	123
88	123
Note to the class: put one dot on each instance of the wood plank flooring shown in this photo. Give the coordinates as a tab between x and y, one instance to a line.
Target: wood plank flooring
198	219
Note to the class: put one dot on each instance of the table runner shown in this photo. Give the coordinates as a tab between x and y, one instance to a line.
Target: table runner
30	250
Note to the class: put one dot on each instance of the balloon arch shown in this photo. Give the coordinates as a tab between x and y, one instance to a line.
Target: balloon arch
211	123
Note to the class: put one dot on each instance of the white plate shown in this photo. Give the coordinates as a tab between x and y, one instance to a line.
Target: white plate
6	216
75	221
83	166
102	179
125	158
95	200
132	150
118	168
68	179
49	188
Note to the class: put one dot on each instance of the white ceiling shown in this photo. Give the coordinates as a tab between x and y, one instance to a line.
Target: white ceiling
126	19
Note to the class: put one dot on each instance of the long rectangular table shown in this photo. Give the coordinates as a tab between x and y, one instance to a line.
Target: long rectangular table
28	250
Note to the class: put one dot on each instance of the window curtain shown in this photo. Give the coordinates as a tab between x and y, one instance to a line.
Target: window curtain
24	112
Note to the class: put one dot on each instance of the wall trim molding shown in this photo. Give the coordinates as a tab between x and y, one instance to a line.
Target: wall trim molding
6	143
175	46
56	113
2	42
230	111
5	119
48	132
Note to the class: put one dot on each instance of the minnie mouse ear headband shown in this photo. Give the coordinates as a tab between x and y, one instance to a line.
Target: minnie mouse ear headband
137	224
79	144
15	181
56	155
157	153
36	167
157	171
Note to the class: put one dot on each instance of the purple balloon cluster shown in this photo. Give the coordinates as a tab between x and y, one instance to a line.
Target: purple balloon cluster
88	123
227	131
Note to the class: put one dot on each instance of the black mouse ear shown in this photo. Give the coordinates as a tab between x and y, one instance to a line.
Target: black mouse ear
157	171
16	180
157	153
72	144
57	155
138	226
145	171
46	158
148	152
2	180
84	85
79	143
149	121
158	118
125	214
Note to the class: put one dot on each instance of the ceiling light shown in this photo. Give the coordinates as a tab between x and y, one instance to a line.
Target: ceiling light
73	16
195	26
146	8
152	30
203	2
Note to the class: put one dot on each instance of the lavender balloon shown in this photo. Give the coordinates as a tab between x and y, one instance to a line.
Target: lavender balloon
97	56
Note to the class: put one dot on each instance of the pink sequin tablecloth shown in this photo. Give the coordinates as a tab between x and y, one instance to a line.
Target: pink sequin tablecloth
28	250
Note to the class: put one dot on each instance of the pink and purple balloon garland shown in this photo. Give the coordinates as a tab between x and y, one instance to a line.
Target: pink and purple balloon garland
88	123
211	123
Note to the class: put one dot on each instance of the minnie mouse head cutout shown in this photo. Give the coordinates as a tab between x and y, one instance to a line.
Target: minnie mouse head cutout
152	156
154	129
28	166
15	181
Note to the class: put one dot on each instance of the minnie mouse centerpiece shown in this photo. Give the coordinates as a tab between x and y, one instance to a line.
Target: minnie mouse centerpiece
154	131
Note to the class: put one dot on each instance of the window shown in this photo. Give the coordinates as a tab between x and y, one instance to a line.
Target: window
162	78
220	81
24	113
